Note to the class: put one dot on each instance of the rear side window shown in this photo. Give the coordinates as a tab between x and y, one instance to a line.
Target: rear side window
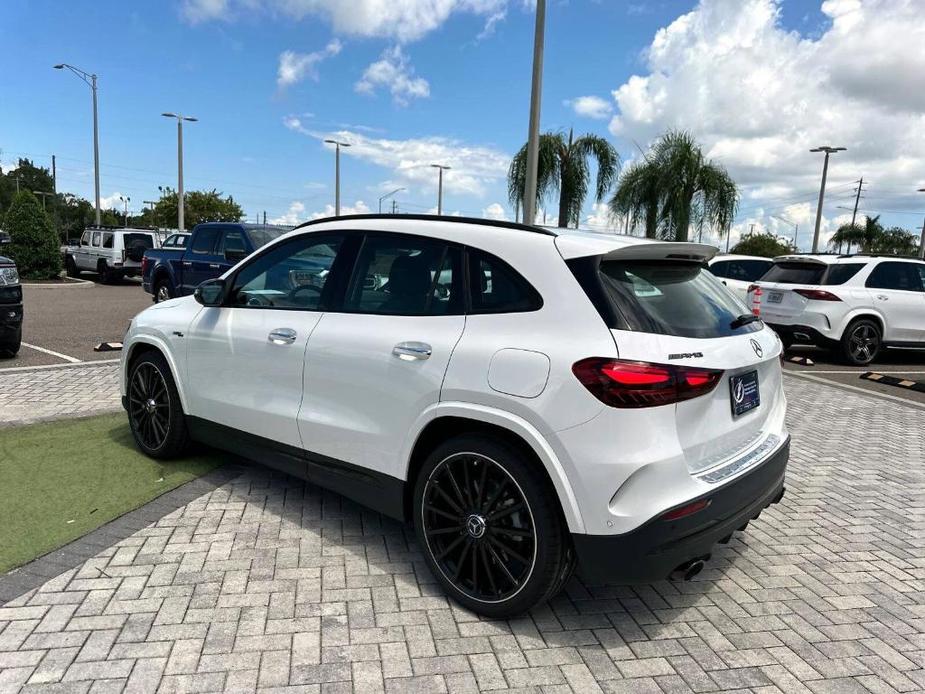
204	241
841	273
96	238
261	237
107	239
671	298
745	270
795	273
900	276
495	287
233	241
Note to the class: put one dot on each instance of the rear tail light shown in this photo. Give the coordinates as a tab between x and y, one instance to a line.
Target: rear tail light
621	383
817	294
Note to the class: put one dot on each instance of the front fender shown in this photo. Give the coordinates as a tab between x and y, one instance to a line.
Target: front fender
148	336
516	425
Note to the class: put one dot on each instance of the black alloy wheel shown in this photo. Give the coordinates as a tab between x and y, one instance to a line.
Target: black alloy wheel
861	342
154	411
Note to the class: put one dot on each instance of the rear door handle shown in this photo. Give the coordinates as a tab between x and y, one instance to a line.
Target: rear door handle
410	351
282	336
214	266
187	263
883	297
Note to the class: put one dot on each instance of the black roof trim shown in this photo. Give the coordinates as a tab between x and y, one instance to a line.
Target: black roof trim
434	218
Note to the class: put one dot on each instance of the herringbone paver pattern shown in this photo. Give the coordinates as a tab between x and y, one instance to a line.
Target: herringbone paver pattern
65	391
267	583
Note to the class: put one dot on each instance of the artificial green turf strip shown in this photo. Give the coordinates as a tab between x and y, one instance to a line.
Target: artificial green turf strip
60	480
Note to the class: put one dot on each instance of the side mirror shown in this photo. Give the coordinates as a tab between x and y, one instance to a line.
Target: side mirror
233	255
210	293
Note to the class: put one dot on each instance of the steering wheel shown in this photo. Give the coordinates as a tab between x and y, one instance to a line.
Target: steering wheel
293	293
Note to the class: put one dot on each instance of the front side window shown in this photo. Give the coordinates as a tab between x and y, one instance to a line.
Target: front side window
672	298
495	287
899	276
85	239
205	240
406	276
293	275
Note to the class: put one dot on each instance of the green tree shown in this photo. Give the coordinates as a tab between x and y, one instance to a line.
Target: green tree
562	165
898	241
27	176
33	242
764	244
689	189
199	206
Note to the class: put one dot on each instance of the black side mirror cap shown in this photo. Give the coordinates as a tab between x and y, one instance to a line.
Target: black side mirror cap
210	292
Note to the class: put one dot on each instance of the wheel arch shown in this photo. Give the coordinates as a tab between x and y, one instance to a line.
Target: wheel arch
448	420
864	313
143	345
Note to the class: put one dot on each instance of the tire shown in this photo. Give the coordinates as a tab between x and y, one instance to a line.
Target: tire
492	559
10	348
162	291
103	272
861	342
70	267
154	411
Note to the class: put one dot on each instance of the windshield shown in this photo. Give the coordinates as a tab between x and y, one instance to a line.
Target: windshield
672	298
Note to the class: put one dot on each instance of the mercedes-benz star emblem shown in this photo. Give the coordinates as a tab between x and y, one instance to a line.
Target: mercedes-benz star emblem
757	348
475	526
738	392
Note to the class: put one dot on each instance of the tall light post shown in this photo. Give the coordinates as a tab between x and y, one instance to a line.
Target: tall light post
153	211
441	168
180	201
825	169
388	195
337	146
91	82
125	201
533	136
922	238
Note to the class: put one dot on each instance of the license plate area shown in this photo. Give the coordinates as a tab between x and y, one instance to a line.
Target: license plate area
775	297
743	392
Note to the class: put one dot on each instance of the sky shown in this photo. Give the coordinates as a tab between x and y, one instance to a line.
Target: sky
410	83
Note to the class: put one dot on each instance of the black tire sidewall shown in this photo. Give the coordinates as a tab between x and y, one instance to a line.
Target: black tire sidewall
552	540
846	340
70	266
103	272
176	441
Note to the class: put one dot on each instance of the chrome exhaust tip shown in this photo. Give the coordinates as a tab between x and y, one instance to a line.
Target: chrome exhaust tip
687	570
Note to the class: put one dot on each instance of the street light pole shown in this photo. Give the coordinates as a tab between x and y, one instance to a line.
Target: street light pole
825	168
125	201
181	202
533	137
441	168
337	146
90	79
388	195
922	237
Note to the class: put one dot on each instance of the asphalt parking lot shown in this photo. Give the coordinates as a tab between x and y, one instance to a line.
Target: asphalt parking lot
63	322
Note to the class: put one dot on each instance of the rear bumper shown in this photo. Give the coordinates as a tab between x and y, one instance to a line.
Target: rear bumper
801	334
652	551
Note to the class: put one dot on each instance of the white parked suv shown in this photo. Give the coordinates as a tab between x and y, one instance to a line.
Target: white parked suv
527	400
856	304
739	272
112	253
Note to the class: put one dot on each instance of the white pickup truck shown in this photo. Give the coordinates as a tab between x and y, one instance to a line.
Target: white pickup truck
110	252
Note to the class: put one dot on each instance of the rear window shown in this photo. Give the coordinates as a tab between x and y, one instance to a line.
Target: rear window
841	273
263	236
131	240
795	273
672	298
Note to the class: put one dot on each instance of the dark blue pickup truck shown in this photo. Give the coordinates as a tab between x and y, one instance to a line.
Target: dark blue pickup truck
212	249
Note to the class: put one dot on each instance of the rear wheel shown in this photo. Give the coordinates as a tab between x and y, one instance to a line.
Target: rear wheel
104	273
490	527
861	342
154	411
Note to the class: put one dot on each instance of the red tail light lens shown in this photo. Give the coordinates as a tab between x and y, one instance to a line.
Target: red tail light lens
144	264
627	384
686	510
817	294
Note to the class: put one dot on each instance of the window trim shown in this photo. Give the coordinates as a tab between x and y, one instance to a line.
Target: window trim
904	263
537	301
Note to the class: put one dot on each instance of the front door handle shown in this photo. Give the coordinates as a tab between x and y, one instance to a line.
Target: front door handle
214	266
282	336
410	351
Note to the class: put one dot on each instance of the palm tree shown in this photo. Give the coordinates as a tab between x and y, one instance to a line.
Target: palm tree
867	237
676	186
563	165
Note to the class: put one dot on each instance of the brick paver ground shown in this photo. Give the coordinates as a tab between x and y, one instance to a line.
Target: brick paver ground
35	395
268	583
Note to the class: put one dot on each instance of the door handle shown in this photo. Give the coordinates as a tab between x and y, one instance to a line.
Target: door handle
187	263
214	266
282	336
883	297
410	351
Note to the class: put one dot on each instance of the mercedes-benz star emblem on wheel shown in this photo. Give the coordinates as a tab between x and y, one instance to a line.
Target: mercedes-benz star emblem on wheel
757	347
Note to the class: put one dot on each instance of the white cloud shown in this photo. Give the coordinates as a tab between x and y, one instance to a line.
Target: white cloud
402	20
293	216
294	67
591	107
495	211
394	72
112	202
759	96
359	207
474	167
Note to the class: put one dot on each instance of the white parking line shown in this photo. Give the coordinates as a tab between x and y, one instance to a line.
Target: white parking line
54	354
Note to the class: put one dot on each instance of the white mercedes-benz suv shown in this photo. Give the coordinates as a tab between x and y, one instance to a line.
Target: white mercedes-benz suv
528	400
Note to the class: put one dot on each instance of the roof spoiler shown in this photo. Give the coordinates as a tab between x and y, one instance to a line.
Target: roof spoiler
664	250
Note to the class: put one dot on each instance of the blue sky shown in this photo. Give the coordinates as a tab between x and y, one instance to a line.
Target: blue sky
413	84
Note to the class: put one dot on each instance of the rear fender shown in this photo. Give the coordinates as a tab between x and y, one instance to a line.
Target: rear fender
864	312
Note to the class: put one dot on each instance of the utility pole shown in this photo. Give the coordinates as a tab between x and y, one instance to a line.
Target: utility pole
857	199
394	206
181	201
517	210
387	196
441	168
337	146
825	169
796	228
264	217
90	80
533	135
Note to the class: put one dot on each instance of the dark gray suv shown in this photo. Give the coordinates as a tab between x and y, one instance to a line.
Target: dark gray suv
10	308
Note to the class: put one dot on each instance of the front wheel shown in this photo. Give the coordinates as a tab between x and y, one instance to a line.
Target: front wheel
154	411
162	291
70	265
861	342
490	526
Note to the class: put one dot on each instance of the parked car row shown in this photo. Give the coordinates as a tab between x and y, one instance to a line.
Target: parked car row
529	400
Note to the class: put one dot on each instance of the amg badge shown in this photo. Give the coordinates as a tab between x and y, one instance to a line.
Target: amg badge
686	355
